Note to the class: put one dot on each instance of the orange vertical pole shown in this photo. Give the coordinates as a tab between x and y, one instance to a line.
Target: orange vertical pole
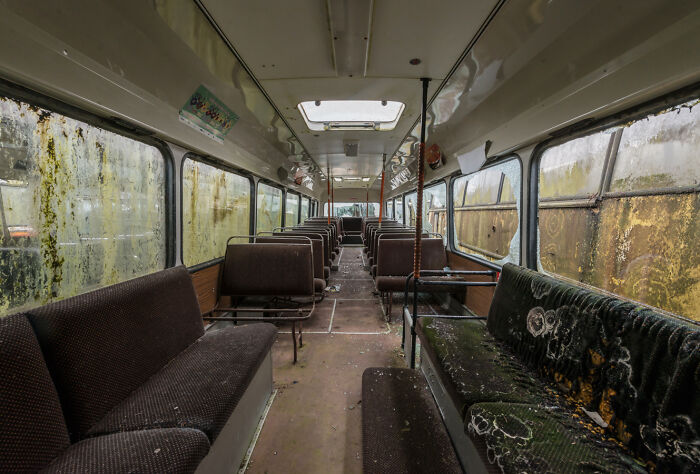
367	203
381	199
332	200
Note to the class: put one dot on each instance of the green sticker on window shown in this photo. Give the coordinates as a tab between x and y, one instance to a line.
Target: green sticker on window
206	113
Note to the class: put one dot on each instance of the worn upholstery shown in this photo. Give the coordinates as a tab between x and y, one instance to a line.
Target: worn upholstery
395	262
640	370
316	247
199	388
352	225
244	264
474	367
102	345
389	235
402	431
33	429
176	451
516	438
326	251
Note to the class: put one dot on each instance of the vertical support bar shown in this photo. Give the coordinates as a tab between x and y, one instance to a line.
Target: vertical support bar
332	212
421	179
329	198
381	192
367	203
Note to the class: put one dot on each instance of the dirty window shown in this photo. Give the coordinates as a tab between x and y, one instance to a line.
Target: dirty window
80	207
215	206
640	240
269	208
435	209
398	209
487	213
353	209
291	212
574	168
390	209
304	208
410	205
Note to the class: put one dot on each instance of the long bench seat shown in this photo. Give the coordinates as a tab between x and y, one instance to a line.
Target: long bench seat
567	379
124	379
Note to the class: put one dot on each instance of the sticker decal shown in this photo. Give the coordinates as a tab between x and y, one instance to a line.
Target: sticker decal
206	113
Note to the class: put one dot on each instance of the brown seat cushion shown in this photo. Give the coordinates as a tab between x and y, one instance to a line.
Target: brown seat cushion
199	388
32	428
102	345
177	451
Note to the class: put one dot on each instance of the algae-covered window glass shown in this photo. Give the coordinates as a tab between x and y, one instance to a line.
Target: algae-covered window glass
435	209
269	208
304	208
398	208
390	209
215	206
639	240
80	207
574	168
487	212
291	211
410	203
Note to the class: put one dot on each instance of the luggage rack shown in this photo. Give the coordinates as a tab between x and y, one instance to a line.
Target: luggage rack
297	314
418	282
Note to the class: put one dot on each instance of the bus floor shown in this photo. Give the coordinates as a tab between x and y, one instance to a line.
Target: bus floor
314	424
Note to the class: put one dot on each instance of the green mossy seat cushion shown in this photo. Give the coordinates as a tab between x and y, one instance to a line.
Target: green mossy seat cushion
515	438
473	366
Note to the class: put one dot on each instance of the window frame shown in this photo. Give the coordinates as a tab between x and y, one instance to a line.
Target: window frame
283	204
450	210
223	166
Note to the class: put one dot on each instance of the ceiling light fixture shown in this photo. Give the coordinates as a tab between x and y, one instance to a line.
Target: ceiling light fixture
365	179
337	179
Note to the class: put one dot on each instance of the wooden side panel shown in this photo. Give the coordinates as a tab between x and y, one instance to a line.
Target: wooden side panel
205	282
478	298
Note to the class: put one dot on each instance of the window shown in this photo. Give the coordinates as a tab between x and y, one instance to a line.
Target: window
80	207
639	238
304	208
353	209
291	210
215	206
390	209
269	208
435	209
351	114
487	212
398	208
410	203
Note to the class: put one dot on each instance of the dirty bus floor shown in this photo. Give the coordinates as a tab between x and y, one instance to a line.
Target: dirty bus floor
314	424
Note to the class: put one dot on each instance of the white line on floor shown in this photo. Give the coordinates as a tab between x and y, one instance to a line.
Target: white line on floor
356	299
363	259
340	257
330	326
249	453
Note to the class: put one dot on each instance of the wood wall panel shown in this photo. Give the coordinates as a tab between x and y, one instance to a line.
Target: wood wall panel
478	298
205	282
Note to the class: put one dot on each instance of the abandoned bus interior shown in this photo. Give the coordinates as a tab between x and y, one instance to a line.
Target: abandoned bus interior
345	236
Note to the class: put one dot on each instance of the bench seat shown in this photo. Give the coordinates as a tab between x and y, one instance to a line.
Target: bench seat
173	450
534	438
199	388
473	367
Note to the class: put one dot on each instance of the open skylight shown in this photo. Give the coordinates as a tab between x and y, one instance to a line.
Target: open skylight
351	114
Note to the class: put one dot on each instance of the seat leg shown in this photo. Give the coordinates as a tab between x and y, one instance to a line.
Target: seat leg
294	340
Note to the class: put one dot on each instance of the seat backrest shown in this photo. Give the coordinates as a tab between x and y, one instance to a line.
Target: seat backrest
316	245
384	231
32	427
639	369
102	345
352	224
325	251
395	256
267	270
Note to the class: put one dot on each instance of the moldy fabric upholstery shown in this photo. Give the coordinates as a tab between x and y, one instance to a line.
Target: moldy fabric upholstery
33	429
199	388
175	451
102	345
637	369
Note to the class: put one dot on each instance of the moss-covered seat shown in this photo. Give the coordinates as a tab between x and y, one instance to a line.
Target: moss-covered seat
473	366
591	367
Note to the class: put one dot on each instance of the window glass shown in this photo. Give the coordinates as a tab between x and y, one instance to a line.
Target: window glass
80	207
353	209
641	244
410	202
304	208
485	225
291	212
390	209
398	208
215	206
435	209
268	208
574	168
